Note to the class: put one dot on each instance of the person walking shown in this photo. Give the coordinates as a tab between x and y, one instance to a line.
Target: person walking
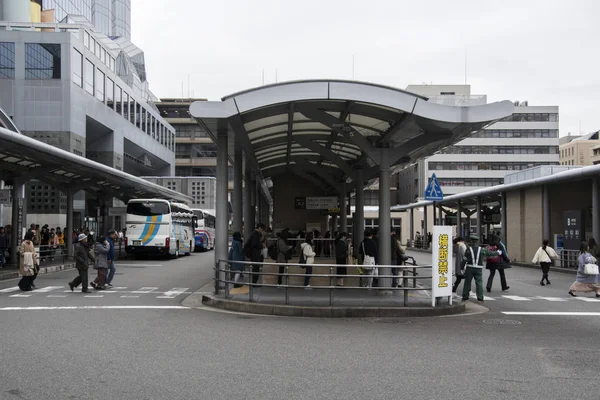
254	252
545	256
368	251
3	246
497	263
459	263
397	257
586	281
27	263
101	250
474	257
341	257
82	261
112	236
308	256
283	251
236	253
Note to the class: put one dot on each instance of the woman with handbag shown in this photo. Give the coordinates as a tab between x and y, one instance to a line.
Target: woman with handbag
101	249
545	256
587	273
307	257
27	263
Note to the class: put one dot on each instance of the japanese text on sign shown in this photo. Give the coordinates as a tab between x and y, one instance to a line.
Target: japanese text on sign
441	261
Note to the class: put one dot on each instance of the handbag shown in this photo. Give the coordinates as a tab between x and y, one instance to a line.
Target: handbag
590	269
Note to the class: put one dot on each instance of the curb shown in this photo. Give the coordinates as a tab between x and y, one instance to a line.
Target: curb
330	312
43	271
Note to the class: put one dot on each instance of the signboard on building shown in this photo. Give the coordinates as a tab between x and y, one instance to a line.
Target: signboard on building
316	203
5	197
434	190
441	261
574	229
300	203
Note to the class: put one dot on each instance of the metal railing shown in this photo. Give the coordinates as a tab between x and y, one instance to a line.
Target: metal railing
223	278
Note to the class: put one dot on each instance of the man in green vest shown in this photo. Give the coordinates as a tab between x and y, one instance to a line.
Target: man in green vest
475	257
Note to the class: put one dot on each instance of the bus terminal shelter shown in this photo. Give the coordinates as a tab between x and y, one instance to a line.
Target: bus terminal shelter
325	137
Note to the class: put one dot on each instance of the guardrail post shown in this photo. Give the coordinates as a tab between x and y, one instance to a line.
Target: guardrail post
331	285
414	277
285	288
250	284
404	282
217	266
227	279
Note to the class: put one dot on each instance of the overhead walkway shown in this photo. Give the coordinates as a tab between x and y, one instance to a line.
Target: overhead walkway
335	134
23	159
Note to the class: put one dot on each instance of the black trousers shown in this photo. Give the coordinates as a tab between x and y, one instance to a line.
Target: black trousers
340	270
280	277
545	269
82	278
26	282
493	274
255	268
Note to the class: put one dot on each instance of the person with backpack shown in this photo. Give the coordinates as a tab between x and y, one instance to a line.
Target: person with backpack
475	257
253	250
545	256
368	252
307	257
497	263
236	254
341	256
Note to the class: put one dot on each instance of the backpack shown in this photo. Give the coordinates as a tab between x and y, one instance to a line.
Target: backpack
302	259
494	259
247	249
272	251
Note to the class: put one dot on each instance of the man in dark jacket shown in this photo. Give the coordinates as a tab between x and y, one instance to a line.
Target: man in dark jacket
256	250
3	245
82	260
112	236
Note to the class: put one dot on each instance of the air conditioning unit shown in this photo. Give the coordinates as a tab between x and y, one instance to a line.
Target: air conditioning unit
524	103
516	103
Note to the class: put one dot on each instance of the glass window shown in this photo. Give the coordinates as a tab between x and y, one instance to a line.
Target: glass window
132	109
7	60
100	81
42	61
89	77
104	56
98	51
126	109
138	116
86	39
76	68
110	92
119	100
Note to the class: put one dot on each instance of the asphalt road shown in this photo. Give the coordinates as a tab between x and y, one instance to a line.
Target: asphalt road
78	347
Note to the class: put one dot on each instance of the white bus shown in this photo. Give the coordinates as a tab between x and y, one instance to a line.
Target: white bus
159	227
204	232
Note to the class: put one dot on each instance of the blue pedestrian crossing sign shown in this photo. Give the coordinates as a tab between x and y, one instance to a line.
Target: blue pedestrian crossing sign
434	190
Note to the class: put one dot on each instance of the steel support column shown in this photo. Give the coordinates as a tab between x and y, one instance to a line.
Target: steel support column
412	225
248	226
334	224
358	220
343	215
1	205
385	219
222	206
425	241
18	204
459	231
69	232
237	195
595	209
504	219
441	217
478	215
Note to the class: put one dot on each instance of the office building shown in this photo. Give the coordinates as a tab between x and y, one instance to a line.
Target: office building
579	151
201	189
528	138
76	88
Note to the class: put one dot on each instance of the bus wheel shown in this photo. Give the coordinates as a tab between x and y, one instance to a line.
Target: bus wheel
189	252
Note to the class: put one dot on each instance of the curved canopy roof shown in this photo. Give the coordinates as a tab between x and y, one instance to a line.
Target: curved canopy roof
22	156
325	129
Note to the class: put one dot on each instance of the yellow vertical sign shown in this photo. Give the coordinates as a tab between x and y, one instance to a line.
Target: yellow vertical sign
441	265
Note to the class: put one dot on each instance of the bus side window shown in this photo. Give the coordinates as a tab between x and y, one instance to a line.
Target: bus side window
194	221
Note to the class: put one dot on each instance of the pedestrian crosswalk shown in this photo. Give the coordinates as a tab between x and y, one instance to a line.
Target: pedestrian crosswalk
534	298
122	292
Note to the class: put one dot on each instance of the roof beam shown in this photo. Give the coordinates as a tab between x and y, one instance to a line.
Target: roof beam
404	150
334	183
317	182
325	153
346	130
290	131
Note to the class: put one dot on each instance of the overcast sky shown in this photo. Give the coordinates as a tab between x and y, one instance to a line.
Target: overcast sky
546	52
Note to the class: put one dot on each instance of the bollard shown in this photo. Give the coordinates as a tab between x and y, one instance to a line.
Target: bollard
285	288
217	278
227	279
250	284
414	277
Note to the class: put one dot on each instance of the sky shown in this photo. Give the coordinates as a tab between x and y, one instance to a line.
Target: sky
545	52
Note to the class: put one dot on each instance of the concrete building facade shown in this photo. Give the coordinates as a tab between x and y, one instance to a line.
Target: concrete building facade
527	139
201	189
579	151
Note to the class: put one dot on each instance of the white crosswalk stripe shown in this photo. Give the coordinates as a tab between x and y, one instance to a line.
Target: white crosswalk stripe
588	299
516	298
552	298
485	298
171	294
10	289
145	290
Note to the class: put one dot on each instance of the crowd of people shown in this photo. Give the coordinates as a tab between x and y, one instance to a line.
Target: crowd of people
306	245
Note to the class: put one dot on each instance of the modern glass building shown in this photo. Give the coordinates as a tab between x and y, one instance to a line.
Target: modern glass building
111	17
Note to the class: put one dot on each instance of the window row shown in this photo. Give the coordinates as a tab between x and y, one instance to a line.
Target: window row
100	52
195	150
482	166
175	112
517	133
191	130
500	150
201	171
96	83
568	152
42	60
470	181
530	117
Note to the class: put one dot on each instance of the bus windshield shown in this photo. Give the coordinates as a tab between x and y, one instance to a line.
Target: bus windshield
148	208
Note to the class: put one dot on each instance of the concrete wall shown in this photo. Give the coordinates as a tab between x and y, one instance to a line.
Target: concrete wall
285	190
524	224
570	196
